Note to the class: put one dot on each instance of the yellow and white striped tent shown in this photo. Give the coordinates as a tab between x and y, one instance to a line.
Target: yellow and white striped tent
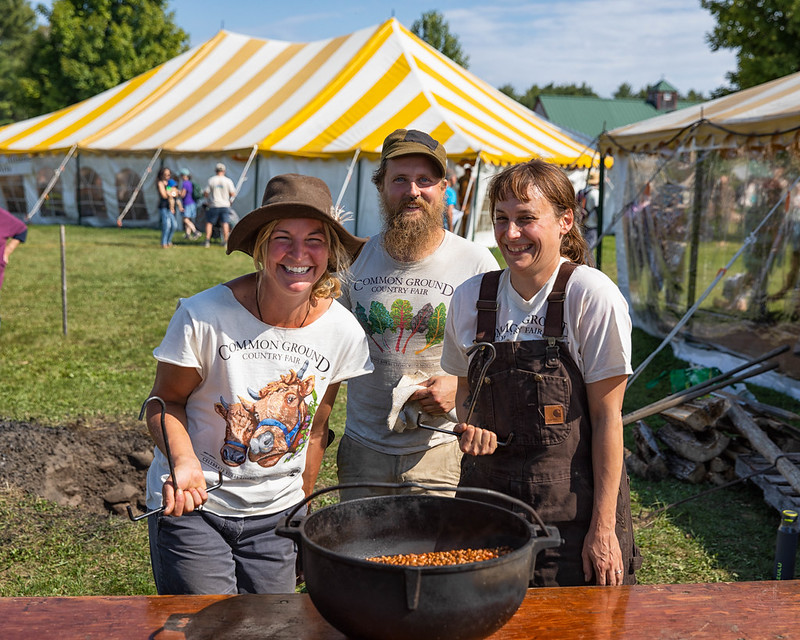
308	107
764	115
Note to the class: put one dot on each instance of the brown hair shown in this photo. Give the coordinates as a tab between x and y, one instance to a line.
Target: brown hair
328	285
517	180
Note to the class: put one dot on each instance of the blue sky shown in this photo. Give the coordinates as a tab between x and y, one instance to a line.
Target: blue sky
517	42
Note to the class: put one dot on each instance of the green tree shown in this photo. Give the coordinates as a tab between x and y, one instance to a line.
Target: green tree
17	33
434	30
764	34
93	45
623	91
509	91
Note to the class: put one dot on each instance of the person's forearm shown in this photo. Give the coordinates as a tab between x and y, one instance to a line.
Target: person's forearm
316	451
11	244
605	407
175	421
607	460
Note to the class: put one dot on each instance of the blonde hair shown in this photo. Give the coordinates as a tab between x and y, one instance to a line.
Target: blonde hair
328	285
517	181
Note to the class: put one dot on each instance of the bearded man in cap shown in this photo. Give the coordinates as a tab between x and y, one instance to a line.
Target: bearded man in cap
400	289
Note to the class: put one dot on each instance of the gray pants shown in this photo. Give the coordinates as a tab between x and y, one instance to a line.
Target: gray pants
202	553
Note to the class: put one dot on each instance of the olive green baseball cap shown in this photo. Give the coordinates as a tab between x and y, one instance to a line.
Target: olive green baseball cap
406	142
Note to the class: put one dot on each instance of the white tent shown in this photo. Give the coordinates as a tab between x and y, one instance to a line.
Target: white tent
266	107
704	196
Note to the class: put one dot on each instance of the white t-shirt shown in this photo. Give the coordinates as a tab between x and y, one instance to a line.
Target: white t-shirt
237	356
597	323
403	308
592	202
220	188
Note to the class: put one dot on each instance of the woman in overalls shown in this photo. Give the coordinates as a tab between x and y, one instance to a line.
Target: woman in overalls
546	425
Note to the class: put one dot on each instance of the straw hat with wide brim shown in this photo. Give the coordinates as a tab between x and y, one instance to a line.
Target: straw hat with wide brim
292	196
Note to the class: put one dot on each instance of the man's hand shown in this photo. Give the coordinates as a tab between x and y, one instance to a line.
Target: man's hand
439	395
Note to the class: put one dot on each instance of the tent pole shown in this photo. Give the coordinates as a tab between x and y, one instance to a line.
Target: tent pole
473	179
720	274
138	188
242	177
51	184
697	208
347	178
78	186
358	197
601	193
255	191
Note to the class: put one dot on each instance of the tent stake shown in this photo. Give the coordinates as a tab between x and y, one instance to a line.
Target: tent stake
138	188
63	280
51	184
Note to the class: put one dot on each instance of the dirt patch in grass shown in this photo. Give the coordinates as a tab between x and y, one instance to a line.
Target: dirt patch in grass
98	467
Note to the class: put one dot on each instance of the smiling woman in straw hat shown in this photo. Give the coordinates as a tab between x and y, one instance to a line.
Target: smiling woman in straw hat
249	371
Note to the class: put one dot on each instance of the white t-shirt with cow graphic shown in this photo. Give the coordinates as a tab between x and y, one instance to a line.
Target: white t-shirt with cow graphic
403	308
250	416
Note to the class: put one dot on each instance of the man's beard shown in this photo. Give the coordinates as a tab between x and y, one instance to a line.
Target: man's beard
408	236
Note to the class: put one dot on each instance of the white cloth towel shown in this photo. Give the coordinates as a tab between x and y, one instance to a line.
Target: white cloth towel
404	414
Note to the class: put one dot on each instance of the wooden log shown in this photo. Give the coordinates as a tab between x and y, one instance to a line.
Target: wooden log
645	440
634	464
650	452
690	446
768	409
699	415
719	465
683	469
690	394
764	445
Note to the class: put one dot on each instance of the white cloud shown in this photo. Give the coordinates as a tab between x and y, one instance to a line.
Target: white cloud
601	42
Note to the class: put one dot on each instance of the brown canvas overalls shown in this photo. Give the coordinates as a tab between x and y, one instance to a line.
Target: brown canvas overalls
534	390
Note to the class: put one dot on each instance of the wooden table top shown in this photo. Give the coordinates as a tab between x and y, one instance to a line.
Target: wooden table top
719	611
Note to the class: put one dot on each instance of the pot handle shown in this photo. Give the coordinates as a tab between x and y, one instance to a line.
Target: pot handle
290	522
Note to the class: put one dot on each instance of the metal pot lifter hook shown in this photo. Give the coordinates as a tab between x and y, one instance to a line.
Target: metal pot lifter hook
473	402
168	454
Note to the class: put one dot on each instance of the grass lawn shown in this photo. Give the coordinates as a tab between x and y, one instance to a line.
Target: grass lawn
121	290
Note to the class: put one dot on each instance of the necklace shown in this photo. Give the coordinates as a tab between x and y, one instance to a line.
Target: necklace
258	307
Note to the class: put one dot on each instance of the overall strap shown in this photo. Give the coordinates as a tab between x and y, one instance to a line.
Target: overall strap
487	306
554	319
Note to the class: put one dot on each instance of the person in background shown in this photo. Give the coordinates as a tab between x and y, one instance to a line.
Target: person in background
189	206
452	215
219	192
400	291
591	201
13	231
166	207
249	371
555	337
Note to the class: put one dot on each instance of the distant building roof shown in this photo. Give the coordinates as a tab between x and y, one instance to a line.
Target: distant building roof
663	86
590	116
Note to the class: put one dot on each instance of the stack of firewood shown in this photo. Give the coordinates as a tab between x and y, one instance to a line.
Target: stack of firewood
700	440
709	431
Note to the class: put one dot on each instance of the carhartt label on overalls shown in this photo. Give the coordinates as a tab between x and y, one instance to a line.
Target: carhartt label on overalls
553	414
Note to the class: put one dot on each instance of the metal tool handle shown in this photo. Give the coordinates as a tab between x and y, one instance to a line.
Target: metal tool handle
500	443
168	454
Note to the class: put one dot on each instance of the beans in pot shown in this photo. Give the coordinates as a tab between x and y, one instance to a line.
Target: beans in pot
442	558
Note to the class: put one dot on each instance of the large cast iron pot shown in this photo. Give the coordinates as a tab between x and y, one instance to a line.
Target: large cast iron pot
364	599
